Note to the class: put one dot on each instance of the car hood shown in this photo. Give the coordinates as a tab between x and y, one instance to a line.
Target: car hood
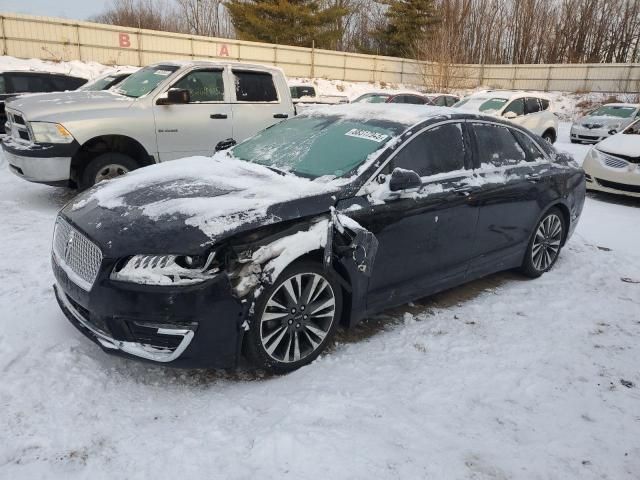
603	120
187	205
627	145
55	106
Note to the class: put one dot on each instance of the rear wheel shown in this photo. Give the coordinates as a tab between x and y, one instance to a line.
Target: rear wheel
545	244
106	167
295	318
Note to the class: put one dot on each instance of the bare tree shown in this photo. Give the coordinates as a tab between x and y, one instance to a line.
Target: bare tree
205	17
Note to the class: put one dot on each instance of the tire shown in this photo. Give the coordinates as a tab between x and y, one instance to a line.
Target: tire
281	338
545	244
117	163
549	136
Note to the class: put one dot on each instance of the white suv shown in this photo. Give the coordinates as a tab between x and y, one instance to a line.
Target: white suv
528	109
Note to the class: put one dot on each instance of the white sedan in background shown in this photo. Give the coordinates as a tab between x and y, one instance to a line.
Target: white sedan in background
613	165
531	110
603	122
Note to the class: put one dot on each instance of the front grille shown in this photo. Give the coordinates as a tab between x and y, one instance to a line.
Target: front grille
592	125
614	162
16	126
588	137
78	256
623	187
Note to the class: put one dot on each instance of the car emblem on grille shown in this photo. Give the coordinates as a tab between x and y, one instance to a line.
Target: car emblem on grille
67	247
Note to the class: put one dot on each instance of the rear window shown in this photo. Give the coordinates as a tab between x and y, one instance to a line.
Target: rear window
254	86
302	91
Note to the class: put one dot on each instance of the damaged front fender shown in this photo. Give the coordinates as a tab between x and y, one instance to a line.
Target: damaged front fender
338	237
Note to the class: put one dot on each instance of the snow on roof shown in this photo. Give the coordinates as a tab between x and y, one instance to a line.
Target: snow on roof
508	94
403	114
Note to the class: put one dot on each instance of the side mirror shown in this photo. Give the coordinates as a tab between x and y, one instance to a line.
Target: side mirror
225	144
510	115
613	132
175	96
402	179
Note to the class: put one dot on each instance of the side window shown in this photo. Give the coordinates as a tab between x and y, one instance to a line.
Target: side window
533	151
438	150
441	101
544	103
3	88
254	87
497	146
415	100
61	83
398	99
517	107
203	85
30	83
451	101
532	105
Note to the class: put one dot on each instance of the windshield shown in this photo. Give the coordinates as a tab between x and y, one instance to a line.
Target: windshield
144	80
372	98
481	104
613	111
633	129
99	83
318	146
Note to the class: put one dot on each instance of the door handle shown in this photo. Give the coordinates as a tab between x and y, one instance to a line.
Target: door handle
465	190
280	115
218	116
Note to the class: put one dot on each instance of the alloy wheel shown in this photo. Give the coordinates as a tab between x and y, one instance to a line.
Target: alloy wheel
110	171
297	317
546	243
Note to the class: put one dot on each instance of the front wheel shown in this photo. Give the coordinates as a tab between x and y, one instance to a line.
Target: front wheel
106	167
295	318
545	245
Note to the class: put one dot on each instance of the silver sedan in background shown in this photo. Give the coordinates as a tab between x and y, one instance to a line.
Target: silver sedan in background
603	122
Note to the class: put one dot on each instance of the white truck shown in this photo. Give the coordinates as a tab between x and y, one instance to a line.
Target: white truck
162	112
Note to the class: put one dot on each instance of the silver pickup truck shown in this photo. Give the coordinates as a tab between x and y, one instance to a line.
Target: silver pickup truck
162	112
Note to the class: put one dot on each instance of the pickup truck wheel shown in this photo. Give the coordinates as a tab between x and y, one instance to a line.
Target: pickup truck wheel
106	167
295	318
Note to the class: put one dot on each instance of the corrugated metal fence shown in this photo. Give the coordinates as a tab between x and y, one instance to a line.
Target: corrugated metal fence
26	36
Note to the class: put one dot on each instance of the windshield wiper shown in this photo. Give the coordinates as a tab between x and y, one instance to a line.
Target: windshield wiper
277	170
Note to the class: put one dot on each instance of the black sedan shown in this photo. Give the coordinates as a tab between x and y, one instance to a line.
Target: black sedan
265	249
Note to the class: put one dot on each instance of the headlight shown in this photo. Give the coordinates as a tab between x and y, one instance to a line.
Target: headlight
166	269
45	132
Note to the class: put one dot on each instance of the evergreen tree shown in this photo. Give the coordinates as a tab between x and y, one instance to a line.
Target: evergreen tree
288	22
408	21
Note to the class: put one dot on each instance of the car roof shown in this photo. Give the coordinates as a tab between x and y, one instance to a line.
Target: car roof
224	63
508	94
399	113
39	72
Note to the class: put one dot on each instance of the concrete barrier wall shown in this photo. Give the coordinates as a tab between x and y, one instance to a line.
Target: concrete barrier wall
26	36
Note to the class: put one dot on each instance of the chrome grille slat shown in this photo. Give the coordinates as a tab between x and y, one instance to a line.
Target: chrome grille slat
78	256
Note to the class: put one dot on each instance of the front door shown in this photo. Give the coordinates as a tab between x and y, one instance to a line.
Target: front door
425	237
195	128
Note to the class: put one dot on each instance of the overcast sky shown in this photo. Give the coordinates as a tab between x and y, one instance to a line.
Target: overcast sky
76	9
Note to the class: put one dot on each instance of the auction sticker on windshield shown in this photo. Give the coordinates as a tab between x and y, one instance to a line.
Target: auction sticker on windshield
162	73
367	135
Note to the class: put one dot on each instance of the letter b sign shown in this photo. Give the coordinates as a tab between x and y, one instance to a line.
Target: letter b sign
124	40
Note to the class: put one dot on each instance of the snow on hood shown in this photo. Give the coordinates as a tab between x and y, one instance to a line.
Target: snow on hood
605	120
621	144
214	194
39	106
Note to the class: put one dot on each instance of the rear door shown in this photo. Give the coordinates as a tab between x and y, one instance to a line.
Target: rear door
425	238
256	102
195	128
510	168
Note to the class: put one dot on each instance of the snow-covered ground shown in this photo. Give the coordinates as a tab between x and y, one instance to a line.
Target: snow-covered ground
503	378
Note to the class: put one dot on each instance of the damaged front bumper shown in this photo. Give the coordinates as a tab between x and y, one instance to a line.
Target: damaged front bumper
186	327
